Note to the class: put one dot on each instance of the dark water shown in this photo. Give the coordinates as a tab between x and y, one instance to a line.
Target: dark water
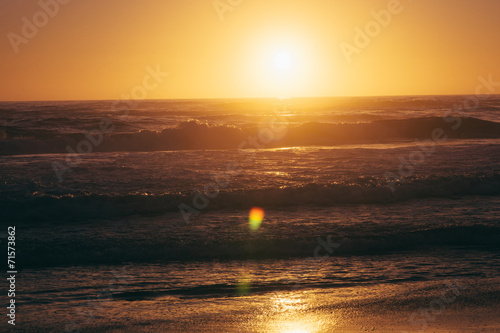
154	199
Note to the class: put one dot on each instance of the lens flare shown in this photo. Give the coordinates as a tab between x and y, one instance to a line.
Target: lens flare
256	217
243	286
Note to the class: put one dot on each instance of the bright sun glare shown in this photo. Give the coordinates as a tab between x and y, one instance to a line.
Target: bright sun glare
282	66
283	60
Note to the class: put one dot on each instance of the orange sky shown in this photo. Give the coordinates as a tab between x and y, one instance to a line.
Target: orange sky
101	49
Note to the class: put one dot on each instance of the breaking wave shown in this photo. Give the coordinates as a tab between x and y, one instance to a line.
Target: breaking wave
192	135
362	190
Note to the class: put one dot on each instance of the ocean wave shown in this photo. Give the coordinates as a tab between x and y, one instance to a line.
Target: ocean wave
41	207
209	245
192	135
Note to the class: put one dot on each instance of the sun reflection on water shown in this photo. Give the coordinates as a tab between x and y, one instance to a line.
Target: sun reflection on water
295	328
292	314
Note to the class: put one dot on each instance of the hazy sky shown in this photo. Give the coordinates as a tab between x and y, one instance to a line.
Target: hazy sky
253	48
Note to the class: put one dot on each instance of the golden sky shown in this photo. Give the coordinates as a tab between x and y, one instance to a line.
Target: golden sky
82	49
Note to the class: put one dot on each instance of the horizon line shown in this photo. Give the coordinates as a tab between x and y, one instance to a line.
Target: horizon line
240	98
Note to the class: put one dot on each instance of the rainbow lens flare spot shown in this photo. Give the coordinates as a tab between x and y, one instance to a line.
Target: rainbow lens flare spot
256	217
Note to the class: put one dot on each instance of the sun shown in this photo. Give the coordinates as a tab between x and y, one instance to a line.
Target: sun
283	60
282	64
283	70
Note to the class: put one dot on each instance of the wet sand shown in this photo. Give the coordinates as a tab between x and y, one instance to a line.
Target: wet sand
465	305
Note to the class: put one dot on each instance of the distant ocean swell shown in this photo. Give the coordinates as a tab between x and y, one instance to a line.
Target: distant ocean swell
361	190
193	135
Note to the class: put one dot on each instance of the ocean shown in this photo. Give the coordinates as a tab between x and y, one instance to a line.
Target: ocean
133	216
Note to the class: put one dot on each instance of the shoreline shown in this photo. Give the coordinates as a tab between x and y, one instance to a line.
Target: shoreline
375	308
